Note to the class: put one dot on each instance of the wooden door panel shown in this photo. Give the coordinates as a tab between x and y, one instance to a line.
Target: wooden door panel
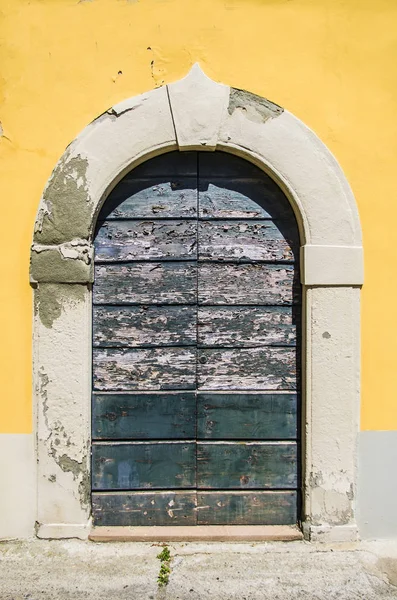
237	465
142	465
247	508
246	284
152	197
144	508
247	240
170	415
146	283
247	369
240	326
142	326
118	369
146	240
246	416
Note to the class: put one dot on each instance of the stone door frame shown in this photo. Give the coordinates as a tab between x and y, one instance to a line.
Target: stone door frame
199	114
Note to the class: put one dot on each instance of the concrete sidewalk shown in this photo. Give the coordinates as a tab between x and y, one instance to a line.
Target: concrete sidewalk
71	569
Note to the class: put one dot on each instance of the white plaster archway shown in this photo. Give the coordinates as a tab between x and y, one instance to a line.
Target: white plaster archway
197	114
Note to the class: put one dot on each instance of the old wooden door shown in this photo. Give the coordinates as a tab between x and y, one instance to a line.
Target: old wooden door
195	347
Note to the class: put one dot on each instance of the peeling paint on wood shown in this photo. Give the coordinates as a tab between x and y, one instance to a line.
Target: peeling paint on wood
246	508
246	240
152	197
140	326
146	283
236	465
230	326
246	416
247	284
170	415
143	465
146	240
247	369
144	508
226	198
144	369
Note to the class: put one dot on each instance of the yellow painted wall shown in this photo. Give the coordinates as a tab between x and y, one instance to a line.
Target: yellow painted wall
330	62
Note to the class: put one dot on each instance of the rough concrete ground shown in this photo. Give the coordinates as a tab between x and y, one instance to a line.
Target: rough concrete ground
41	570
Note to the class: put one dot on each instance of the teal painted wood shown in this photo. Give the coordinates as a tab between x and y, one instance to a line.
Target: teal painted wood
246	416
171	415
146	240
125	369
230	326
141	326
143	465
246	508
268	368
247	241
146	283
247	284
153	197
144	508
237	465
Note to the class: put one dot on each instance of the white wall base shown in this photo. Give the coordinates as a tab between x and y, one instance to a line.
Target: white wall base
18	485
63	531
330	534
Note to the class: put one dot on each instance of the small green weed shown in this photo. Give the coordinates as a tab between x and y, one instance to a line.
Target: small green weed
164	575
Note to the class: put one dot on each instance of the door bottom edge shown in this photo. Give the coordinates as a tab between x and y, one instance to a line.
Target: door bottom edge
197	533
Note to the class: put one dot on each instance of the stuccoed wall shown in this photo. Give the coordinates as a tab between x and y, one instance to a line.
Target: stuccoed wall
331	63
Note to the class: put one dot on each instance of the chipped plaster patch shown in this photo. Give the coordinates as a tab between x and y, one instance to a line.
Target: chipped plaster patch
71	262
50	297
254	107
65	212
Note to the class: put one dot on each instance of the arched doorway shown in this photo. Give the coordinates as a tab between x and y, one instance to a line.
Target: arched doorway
196	114
196	347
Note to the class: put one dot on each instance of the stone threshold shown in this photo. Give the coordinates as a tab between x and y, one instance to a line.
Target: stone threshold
197	533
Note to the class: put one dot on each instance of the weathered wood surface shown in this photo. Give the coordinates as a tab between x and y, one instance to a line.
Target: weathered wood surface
170	415
144	369
146	283
228	465
144	508
174	163
247	241
143	465
133	326
227	198
246	416
146	240
230	326
247	284
246	508
225	165
152	197
268	368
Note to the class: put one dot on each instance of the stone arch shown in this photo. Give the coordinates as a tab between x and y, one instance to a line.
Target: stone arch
197	113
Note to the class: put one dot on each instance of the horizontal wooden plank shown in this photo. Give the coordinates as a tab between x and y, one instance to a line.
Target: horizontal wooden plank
222	164
144	508
142	416
248	284
152	197
247	326
146	283
236	465
248	240
143	465
146	240
247	508
247	369
144	369
246	416
140	326
171	163
229	198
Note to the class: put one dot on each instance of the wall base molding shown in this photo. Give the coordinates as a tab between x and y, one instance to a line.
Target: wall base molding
330	533
56	531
